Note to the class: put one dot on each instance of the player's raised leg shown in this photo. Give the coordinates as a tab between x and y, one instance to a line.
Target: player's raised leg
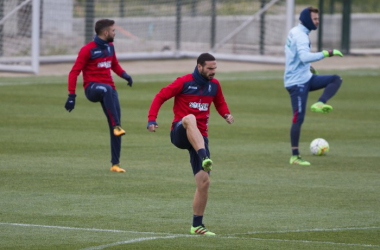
196	140
331	85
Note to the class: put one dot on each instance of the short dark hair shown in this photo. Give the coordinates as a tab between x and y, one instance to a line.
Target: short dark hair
205	57
312	9
102	24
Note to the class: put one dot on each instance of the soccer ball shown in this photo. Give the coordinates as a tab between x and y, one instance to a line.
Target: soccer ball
319	146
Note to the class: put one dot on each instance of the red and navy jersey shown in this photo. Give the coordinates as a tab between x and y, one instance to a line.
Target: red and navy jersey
95	64
191	97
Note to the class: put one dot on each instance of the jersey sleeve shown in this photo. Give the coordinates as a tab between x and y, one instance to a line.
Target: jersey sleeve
165	94
303	50
80	63
220	102
116	66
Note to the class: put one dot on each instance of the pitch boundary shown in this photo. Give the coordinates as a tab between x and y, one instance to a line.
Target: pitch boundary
172	236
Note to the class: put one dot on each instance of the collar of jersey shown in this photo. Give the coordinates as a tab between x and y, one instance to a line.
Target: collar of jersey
101	43
198	77
304	29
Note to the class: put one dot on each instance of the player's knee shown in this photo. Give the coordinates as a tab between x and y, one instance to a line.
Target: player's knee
299	120
189	120
203	180
337	80
205	184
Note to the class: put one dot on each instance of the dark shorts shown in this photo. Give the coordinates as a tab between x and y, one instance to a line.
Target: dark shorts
179	139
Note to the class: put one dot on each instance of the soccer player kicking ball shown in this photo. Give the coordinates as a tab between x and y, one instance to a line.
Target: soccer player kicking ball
95	60
299	80
193	95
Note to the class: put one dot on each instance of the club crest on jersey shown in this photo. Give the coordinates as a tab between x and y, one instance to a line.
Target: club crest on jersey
104	64
199	106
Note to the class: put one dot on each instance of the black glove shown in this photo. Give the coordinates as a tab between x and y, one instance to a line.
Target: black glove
128	78
70	103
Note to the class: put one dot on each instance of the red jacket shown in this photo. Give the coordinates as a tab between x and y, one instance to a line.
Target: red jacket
96	64
191	97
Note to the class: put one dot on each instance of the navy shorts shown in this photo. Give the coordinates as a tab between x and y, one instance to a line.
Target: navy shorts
179	138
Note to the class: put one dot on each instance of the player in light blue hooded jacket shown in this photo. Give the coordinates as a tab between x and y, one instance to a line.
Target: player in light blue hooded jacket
299	78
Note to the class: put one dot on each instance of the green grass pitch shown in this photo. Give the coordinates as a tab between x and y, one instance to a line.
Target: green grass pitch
56	190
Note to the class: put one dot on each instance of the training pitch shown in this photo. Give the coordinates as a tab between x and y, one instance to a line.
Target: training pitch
56	190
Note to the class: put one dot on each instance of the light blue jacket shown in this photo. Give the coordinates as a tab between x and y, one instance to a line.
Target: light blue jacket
298	56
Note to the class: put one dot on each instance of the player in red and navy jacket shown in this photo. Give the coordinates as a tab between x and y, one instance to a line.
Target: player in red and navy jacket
193	95
95	61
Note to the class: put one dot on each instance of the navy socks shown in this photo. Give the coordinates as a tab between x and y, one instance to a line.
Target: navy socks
197	220
295	132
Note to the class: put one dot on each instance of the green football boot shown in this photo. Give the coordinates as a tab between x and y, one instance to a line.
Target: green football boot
202	230
297	160
320	107
207	164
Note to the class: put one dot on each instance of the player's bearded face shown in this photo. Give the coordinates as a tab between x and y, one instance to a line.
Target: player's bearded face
208	70
110	34
109	39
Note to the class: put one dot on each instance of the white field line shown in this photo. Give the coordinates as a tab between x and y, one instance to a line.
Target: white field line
308	241
172	236
309	230
83	229
129	241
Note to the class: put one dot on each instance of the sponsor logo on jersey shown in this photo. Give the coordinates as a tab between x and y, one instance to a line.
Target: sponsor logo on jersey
104	64
192	87
97	52
199	106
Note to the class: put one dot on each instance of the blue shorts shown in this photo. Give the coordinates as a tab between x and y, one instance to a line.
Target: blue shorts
299	93
179	138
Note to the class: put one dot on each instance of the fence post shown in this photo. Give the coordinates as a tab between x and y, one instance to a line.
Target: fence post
89	21
121	8
262	28
1	27
346	26
213	23
178	26
320	28
193	8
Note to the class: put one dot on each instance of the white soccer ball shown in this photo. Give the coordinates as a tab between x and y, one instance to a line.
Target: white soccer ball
319	146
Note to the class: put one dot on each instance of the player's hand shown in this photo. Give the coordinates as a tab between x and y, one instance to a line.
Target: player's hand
229	118
128	78
330	53
70	103
313	70
152	125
